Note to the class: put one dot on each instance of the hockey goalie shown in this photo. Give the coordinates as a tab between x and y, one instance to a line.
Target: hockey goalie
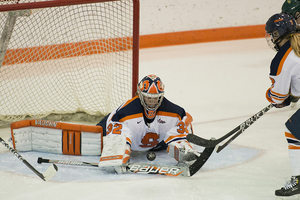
147	122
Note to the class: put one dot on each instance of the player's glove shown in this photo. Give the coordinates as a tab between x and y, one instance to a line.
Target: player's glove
294	99
287	101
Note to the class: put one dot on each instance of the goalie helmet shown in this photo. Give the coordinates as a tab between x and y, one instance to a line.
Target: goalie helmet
151	93
291	7
278	27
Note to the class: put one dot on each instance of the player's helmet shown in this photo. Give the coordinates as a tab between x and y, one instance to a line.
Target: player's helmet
279	26
151	93
291	7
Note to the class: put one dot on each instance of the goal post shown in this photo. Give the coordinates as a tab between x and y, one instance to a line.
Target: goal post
68	60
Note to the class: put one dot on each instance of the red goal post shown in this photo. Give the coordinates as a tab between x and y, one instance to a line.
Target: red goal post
67	59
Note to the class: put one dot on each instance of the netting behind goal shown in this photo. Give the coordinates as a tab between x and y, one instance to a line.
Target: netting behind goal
67	56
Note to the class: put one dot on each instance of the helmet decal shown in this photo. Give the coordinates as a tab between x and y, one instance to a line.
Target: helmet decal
160	86
153	89
151	84
144	86
278	20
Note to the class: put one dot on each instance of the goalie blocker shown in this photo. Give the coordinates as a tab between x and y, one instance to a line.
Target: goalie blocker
56	137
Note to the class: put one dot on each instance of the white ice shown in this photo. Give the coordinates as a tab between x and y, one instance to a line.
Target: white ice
221	84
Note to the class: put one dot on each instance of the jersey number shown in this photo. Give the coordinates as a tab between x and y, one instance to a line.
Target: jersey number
115	129
181	128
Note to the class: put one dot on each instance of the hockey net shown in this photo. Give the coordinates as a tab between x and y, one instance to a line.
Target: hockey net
67	60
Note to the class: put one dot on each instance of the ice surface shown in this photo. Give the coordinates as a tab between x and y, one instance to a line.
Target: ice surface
220	84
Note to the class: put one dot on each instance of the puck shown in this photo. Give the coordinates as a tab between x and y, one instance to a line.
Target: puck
151	156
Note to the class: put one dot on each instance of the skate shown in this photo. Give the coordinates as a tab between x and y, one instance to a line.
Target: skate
291	188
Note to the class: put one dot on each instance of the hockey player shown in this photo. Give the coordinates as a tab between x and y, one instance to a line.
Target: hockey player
292	7
146	122
149	121
285	77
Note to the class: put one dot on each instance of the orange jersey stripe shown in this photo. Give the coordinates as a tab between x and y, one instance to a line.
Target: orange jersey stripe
294	147
128	140
175	136
131	117
289	135
169	114
189	119
278	94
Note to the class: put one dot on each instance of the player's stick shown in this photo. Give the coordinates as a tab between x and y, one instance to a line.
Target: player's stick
146	168
235	132
49	173
66	162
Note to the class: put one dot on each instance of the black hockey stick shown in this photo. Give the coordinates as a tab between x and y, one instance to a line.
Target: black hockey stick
197	165
49	173
146	168
65	162
235	132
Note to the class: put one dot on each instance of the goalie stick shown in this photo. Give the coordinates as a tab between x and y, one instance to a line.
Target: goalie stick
235	132
49	173
146	168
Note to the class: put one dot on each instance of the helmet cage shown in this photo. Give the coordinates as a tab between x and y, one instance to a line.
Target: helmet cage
151	102
273	39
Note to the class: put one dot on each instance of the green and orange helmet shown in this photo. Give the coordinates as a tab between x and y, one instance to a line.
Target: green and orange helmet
291	7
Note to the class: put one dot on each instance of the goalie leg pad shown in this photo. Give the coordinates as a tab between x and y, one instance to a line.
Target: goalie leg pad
116	153
56	137
70	143
115	150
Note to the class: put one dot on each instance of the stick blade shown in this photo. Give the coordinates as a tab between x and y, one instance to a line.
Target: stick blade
197	165
50	172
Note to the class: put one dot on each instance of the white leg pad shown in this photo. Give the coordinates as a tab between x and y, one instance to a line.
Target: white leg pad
56	137
114	147
90	143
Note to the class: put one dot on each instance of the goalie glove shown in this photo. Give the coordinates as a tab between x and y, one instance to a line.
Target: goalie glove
182	152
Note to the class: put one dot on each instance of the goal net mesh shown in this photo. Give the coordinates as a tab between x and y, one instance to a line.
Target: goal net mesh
58	62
